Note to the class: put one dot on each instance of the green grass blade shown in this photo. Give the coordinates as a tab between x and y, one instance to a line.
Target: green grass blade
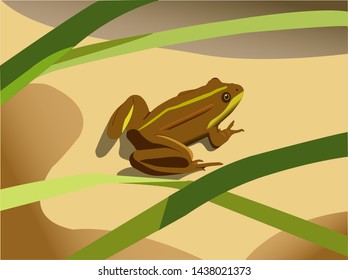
8	92
216	183
251	168
27	193
284	21
32	192
36	58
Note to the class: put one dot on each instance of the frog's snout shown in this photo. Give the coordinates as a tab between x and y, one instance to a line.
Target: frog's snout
238	89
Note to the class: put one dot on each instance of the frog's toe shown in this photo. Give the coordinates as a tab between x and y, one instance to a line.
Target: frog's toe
229	129
231	125
236	131
206	164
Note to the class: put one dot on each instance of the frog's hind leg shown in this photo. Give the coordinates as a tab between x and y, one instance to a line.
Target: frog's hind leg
127	116
169	157
160	161
165	161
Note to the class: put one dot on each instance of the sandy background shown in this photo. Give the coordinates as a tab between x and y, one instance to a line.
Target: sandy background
286	101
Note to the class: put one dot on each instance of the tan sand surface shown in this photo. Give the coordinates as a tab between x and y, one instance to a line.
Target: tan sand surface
286	101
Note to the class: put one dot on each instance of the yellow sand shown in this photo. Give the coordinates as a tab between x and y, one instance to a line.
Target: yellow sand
286	101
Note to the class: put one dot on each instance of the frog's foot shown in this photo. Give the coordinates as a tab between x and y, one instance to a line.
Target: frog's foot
231	131
219	137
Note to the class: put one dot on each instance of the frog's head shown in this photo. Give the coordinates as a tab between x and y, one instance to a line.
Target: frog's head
225	98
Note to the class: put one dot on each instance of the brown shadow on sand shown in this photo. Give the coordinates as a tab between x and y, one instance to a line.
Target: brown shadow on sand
38	126
284	246
105	144
130	171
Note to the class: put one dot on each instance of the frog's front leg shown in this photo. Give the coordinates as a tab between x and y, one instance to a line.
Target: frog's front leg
219	137
170	157
127	116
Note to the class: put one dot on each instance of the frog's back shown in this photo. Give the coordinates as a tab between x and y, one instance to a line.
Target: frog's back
185	123
187	116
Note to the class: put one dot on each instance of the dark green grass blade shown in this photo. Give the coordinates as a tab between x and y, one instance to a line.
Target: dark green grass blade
216	183
18	71
251	168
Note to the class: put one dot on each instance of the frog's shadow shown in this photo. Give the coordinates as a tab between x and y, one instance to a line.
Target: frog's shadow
106	143
126	149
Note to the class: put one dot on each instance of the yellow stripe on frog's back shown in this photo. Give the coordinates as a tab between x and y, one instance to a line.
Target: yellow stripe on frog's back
187	102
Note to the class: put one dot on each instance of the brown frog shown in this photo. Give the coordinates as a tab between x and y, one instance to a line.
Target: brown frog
161	136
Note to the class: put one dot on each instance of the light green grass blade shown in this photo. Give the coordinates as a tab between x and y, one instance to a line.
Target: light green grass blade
284	21
32	192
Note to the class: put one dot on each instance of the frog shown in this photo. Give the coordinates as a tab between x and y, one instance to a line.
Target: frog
162	137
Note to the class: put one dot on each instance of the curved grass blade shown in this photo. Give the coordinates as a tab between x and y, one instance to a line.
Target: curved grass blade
32	192
216	183
18	71
284	21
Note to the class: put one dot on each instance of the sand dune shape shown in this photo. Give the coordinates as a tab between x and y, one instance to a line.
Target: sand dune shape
39	125
284	246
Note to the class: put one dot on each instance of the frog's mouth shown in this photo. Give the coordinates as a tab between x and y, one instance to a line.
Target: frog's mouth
228	110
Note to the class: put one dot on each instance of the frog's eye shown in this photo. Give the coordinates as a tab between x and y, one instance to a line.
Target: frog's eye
226	97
